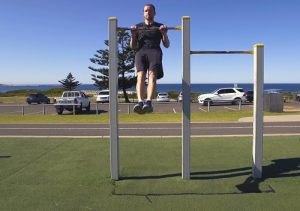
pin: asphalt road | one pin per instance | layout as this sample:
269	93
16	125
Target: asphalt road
144	130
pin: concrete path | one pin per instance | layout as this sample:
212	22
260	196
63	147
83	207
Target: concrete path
277	118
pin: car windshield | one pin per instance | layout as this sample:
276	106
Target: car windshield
104	93
163	94
215	91
240	90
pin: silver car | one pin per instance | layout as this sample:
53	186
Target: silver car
224	95
163	97
103	96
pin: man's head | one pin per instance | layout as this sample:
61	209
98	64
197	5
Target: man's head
149	12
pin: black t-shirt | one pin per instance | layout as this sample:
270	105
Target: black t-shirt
149	38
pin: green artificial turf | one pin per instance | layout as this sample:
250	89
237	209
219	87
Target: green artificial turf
73	174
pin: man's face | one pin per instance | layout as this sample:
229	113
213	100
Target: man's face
148	13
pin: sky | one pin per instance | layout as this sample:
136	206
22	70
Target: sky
41	41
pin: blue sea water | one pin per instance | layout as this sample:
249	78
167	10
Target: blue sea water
198	88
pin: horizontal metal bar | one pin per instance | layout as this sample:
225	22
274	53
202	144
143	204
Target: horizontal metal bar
221	52
151	28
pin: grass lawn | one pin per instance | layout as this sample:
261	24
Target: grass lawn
219	116
73	174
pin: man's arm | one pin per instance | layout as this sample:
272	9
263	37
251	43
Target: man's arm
165	38
134	37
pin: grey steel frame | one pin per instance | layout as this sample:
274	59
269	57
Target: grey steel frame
258	74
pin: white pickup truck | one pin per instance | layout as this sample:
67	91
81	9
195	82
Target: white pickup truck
72	101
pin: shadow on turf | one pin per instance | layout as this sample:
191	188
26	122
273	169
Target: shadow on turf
4	156
289	167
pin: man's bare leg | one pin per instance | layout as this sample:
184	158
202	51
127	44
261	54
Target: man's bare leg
148	108
151	84
140	91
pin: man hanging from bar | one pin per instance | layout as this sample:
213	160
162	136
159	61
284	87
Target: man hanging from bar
146	39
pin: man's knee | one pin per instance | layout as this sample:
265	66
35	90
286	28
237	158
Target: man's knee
152	75
141	75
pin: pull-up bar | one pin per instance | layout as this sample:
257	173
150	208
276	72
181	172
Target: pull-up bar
221	52
258	78
150	28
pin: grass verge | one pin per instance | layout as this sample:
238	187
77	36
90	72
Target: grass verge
128	118
73	174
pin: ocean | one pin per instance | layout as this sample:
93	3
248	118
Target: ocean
197	88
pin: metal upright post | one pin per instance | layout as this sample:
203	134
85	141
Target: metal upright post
186	95
258	115
44	110
113	101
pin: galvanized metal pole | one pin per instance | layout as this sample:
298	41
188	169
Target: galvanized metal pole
44	110
186	96
113	102
258	115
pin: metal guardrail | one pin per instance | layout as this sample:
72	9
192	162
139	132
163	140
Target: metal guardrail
24	109
98	108
210	102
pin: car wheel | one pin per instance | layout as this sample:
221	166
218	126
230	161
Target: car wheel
205	102
78	110
59	110
236	101
88	108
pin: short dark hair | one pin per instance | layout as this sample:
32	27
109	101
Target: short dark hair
150	5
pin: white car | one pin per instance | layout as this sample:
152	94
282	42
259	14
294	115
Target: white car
163	97
224	95
72	100
103	96
298	97
179	98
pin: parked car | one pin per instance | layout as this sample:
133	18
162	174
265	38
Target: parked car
37	98
223	95
163	97
249	96
298	97
179	98
72	100
103	96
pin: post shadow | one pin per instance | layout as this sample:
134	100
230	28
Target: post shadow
5	156
279	168
288	167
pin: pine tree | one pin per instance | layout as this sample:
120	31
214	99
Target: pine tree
69	83
127	79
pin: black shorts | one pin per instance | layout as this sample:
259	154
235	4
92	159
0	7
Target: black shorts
149	59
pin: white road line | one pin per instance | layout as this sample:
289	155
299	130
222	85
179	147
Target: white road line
202	109
233	109
13	112
34	113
